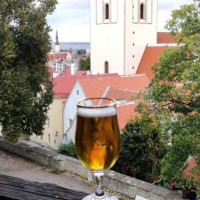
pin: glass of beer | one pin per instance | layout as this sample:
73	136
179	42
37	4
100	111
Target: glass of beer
97	139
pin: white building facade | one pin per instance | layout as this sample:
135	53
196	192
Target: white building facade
120	31
69	112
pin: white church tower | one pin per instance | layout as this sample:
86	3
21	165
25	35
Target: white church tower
120	31
57	46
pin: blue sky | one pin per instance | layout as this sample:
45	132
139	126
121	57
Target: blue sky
71	18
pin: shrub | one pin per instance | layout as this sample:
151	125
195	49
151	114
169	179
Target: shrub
68	149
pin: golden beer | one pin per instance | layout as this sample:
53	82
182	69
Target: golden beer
97	137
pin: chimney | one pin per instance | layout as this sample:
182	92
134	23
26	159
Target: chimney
73	69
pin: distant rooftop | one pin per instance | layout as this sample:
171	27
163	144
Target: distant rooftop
150	56
64	84
98	86
165	38
125	112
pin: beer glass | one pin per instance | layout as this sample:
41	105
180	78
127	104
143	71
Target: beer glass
97	139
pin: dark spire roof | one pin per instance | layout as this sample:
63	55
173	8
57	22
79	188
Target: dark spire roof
57	43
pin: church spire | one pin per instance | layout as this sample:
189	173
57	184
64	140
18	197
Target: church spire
57	47
57	43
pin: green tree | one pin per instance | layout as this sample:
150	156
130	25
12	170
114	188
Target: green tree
174	92
68	149
25	86
84	63
141	149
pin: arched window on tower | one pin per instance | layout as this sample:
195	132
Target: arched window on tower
141	11
106	67
107	11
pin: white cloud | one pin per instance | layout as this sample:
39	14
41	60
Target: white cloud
71	18
67	33
165	8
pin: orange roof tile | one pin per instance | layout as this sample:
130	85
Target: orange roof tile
58	55
64	84
150	56
81	72
96	88
67	72
118	93
125	113
165	38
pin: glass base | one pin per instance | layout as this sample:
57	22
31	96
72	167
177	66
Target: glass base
105	197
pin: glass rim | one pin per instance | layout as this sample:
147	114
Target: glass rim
93	98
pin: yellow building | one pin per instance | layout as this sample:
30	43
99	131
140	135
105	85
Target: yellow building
53	132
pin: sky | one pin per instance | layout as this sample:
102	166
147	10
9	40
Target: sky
72	18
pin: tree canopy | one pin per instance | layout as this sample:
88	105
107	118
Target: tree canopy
174	92
25	86
84	63
142	149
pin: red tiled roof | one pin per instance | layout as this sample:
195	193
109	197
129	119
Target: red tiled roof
191	165
51	71
150	56
64	84
55	56
125	113
77	56
165	38
67	72
118	93
96	88
81	72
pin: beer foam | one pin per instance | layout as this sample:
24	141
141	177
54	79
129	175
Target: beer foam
96	112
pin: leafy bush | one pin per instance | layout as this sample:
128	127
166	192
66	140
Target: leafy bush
141	149
67	149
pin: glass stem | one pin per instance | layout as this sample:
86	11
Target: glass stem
99	185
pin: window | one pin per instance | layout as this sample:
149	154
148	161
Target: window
106	67
65	137
49	136
70	122
56	133
107	11
142	11
77	92
41	137
48	122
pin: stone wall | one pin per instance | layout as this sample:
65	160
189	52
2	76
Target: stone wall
113	181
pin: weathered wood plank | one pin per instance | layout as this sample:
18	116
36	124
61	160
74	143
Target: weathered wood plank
19	189
12	188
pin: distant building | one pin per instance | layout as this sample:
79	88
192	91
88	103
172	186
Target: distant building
120	32
54	127
120	88
80	51
124	37
57	46
153	52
